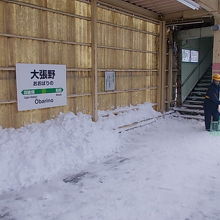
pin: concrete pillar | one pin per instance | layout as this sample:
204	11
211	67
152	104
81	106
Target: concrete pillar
216	48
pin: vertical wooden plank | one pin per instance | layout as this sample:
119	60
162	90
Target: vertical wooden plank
94	60
170	69
162	68
159	78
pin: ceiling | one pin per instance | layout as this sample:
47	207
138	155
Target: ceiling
161	7
173	12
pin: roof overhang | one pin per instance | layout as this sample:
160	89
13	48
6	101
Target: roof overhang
134	9
167	10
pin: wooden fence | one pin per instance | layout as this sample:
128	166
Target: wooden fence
60	32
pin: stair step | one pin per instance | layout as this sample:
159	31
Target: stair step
185	110
198	93
207	77
205	81
197	117
196	97
203	84
201	89
192	106
194	102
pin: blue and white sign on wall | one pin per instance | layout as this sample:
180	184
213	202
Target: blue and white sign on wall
190	56
194	56
185	55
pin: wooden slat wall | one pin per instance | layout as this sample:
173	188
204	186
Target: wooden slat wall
59	32
127	32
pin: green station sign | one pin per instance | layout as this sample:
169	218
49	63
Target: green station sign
41	91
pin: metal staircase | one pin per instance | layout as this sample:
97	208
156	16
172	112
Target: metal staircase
192	107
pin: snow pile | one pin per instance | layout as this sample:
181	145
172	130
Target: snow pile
39	152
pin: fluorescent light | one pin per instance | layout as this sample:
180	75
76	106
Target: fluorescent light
190	4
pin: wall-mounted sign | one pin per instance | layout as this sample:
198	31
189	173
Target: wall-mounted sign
109	80
40	86
185	55
194	56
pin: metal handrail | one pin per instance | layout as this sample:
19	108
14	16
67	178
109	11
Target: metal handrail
188	77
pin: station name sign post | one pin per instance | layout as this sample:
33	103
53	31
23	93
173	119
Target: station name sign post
40	86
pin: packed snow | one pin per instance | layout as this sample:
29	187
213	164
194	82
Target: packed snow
38	152
71	168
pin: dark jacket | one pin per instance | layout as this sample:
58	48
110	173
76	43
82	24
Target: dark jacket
213	94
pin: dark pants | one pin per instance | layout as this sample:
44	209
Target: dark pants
211	113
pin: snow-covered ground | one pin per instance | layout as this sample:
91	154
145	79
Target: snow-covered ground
79	170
